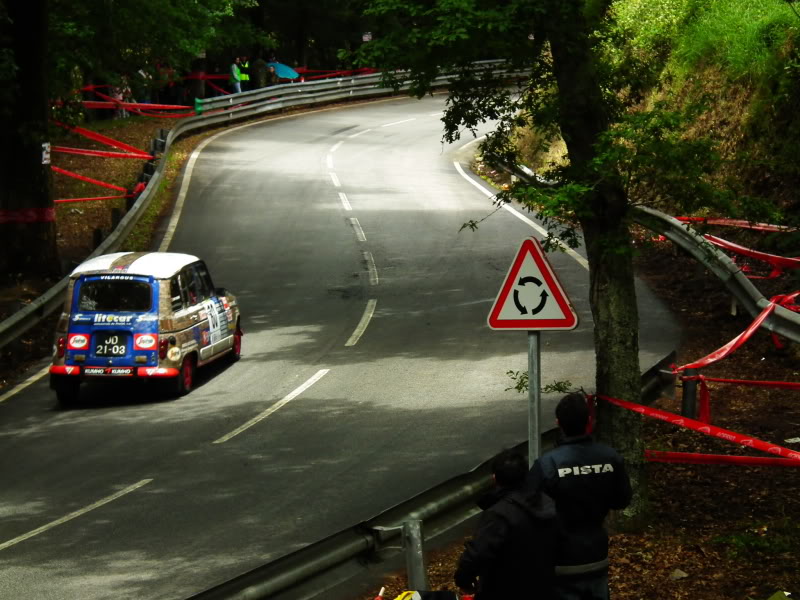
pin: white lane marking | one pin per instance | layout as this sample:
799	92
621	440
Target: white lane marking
21	386
335	180
345	201
281	403
329	161
176	212
355	135
362	324
439	114
75	514
489	194
359	232
373	271
336	147
398	122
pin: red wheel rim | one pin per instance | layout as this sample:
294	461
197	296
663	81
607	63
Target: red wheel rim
187	374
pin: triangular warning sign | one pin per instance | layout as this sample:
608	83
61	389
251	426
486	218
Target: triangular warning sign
531	296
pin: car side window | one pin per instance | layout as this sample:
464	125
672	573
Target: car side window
177	294
202	271
201	283
190	287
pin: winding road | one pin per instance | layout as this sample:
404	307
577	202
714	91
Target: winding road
368	374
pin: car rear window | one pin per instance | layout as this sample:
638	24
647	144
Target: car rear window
115	296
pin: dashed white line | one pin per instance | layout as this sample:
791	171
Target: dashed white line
373	271
578	258
335	180
74	514
336	147
439	114
30	380
355	135
345	201
397	122
359	232
281	403
329	161
362	325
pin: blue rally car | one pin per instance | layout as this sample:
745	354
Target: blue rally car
142	315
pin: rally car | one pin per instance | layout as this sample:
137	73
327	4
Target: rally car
142	316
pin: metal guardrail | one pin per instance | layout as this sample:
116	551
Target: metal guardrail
311	571
215	112
782	321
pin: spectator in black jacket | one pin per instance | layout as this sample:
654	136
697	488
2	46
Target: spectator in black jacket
510	556
587	480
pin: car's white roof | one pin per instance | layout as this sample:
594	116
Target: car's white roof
155	264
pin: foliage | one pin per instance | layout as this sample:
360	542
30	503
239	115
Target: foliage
521	379
742	36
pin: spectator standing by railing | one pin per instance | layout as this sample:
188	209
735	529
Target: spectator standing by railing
510	556
235	76
244	72
259	72
587	480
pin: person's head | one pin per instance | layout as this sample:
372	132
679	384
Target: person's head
236	60
509	469
572	413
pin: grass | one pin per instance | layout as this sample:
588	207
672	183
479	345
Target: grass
742	37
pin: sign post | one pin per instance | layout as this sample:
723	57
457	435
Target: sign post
532	299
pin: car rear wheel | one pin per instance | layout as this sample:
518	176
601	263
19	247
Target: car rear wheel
68	393
185	380
236	353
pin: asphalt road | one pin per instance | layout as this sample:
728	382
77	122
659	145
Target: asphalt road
368	372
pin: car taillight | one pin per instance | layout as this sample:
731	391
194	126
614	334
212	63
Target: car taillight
163	346
61	344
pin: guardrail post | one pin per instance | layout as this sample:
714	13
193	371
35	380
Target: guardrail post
689	396
415	559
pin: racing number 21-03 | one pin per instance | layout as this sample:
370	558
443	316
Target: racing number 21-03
110	346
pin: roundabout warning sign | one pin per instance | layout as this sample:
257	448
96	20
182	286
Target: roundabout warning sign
531	297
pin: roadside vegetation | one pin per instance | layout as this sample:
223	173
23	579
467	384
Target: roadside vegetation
705	121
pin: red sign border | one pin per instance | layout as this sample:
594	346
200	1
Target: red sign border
570	321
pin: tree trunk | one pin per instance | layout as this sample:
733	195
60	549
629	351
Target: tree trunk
27	215
582	120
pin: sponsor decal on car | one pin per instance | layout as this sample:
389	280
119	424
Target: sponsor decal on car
115	371
145	341
108	319
77	341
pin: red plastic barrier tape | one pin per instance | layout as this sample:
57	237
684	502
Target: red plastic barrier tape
27	215
131	105
216	87
731	346
93	135
779	263
103	153
705	428
64	200
110	186
718	459
736	223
